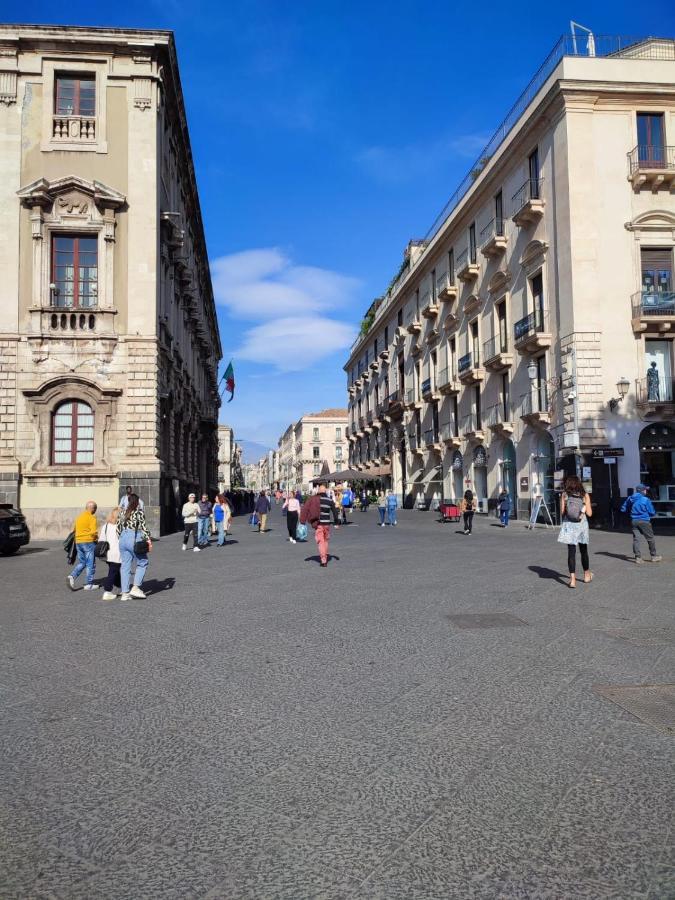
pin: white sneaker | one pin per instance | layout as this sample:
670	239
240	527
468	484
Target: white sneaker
125	596
383	525
137	592
195	549
71	583
108	595
184	547
292	540
91	587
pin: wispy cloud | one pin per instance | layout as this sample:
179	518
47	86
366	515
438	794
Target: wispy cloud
397	164
292	344
291	305
259	284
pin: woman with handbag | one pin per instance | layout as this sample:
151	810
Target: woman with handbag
109	536
135	544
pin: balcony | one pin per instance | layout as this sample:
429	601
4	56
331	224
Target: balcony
653	312
384	356
415	444
429	390
467	267
74	129
365	376
531	333
412	401
496	356
374	365
472	428
351	390
447	382
416	349
429	306
399	334
653	167
450	436
534	408
450	321
498	420
432	440
432	335
492	239
414	326
656	396
472	303
528	205
446	289
393	407
469	370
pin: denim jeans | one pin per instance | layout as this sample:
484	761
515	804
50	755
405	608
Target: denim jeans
85	560
391	514
127	553
382	510
221	532
504	516
203	530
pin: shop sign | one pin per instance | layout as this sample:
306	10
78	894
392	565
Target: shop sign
606	452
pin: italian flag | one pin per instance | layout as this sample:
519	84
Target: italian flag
229	380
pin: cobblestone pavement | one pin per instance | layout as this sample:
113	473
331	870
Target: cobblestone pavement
262	728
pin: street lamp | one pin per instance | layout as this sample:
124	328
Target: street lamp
532	371
622	386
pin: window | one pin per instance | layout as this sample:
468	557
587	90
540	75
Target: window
475	355
75	95
499	214
451	267
317	468
537	285
472	243
651	138
74	271
375	349
338	433
533	172
504	396
316	452
315	434
386	336
73	434
433	285
338	453
477	407
399	318
657	274
502	329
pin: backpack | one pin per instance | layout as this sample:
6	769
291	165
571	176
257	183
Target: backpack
574	507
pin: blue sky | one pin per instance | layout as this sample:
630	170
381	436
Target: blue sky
326	135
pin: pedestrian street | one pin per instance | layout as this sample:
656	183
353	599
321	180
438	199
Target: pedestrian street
433	715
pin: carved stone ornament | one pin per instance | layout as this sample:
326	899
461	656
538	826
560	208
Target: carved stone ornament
8	83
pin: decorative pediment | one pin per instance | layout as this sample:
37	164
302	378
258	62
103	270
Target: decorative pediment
70	195
499	283
533	255
656	220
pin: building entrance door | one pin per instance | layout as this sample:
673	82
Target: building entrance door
657	465
508	473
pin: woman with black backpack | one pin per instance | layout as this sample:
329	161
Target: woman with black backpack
575	511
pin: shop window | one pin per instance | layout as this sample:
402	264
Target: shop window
73	434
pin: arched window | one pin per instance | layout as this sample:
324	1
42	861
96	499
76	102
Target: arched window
73	434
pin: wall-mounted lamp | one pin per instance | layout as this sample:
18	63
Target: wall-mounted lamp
532	371
622	386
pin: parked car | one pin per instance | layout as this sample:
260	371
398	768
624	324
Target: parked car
14	532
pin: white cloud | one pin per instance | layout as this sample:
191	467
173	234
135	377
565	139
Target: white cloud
396	164
295	343
264	283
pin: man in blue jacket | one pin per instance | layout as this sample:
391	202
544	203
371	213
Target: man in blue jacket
641	510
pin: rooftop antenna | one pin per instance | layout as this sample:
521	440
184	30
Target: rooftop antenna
590	46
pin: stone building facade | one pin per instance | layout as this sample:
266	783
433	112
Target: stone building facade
306	444
516	339
108	334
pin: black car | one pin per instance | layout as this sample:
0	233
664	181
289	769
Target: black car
14	532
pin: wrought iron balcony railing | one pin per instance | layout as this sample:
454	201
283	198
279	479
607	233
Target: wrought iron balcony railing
533	323
652	303
531	190
494	346
646	156
655	390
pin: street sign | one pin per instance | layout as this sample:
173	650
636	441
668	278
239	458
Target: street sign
605	452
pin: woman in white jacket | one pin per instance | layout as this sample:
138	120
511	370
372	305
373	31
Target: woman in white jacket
109	533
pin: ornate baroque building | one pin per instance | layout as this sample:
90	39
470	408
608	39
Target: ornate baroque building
109	344
531	332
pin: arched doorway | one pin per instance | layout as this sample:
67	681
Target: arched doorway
457	475
480	477
657	461
507	472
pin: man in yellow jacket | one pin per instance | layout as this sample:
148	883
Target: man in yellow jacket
86	535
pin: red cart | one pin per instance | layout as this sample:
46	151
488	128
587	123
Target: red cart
449	512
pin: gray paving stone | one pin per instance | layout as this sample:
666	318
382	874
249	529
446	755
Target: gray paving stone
261	728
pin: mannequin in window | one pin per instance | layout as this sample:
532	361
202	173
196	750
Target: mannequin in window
653	382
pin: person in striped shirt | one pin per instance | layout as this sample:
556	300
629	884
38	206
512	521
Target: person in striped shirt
320	511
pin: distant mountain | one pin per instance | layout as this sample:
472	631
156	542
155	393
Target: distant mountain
251	450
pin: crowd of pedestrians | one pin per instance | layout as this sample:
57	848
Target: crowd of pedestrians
125	542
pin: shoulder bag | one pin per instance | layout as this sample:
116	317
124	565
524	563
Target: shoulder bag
102	546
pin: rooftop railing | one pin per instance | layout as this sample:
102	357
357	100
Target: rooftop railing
627	47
